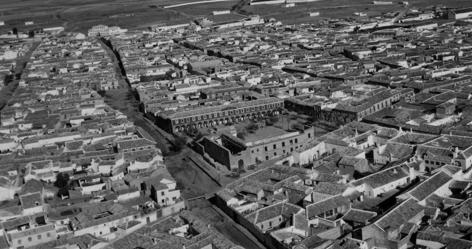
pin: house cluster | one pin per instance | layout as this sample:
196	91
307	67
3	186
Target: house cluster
72	59
183	230
360	186
393	167
10	51
357	133
75	173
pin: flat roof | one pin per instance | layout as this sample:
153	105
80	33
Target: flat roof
264	133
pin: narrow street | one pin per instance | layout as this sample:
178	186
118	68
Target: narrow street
7	92
124	100
226	226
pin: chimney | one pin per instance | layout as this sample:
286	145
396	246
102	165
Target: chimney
412	173
455	151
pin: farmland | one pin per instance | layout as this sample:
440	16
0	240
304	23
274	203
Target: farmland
339	8
79	15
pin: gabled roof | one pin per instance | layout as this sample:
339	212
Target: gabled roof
31	200
426	188
359	215
384	177
399	215
448	242
322	206
396	150
329	188
4	243
283	209
134	143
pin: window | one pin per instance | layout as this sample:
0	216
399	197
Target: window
275	146
466	216
296	140
275	153
265	148
19	241
329	213
270	223
283	144
39	236
30	239
48	235
309	135
267	157
162	193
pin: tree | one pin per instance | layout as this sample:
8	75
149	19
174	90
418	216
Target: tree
179	143
62	180
272	120
194	133
63	192
241	134
252	127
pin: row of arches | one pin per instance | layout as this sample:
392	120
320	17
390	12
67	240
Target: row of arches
226	120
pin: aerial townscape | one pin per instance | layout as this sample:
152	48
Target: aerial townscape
236	124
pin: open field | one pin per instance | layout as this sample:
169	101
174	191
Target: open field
205	9
79	15
339	8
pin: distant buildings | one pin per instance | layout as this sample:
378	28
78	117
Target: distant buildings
458	14
103	30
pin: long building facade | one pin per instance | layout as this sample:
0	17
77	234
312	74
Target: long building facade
217	115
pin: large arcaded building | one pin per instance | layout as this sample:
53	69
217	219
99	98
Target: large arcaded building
199	117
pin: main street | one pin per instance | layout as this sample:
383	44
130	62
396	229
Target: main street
191	179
